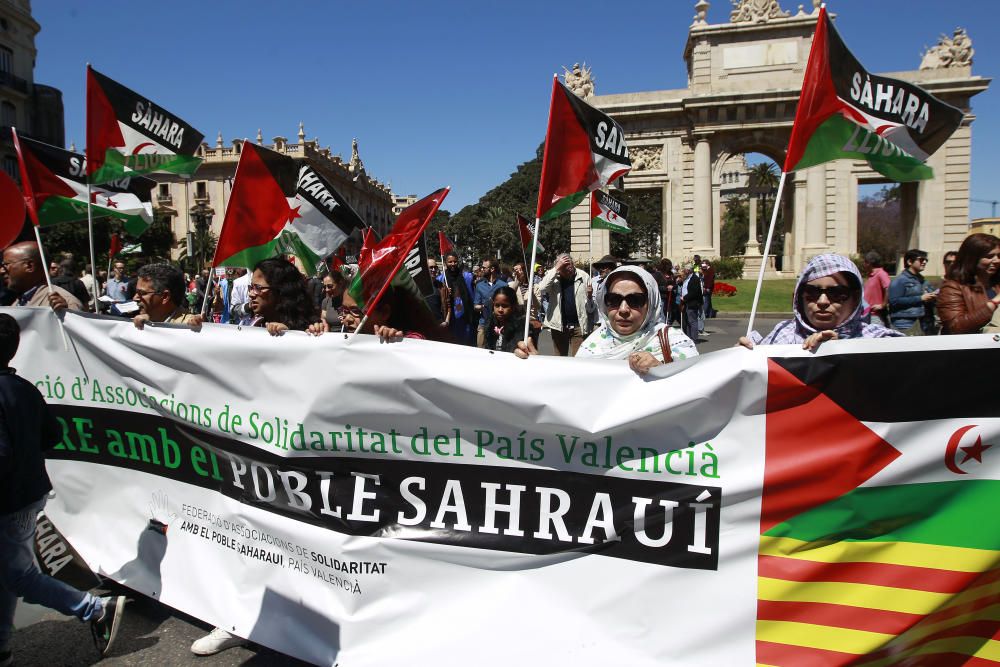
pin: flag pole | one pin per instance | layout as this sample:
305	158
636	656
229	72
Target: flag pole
208	291
767	249
531	277
48	281
90	232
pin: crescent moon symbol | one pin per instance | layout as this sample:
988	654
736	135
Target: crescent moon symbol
135	151
952	449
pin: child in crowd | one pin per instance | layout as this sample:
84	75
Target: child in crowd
505	324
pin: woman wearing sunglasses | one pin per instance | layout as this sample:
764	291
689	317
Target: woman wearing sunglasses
631	324
827	306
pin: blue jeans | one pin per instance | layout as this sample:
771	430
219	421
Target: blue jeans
21	578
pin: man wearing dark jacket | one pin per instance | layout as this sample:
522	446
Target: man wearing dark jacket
691	302
27	429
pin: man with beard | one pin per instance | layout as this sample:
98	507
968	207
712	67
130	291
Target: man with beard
24	274
463	313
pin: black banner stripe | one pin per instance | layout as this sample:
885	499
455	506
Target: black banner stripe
316	489
905	386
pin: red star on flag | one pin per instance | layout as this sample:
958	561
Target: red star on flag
294	213
110	203
975	451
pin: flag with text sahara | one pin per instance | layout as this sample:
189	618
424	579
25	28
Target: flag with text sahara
880	542
380	261
606	212
282	207
584	150
846	112
127	134
526	231
55	189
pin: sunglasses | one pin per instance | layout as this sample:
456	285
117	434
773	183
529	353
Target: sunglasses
635	300
835	294
354	312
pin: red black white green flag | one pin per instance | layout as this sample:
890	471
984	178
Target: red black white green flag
584	150
282	207
845	112
55	189
526	231
127	134
606	212
380	261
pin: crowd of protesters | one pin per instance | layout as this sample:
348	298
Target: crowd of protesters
643	312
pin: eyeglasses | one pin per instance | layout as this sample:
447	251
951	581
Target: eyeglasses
258	289
354	311
835	294
635	300
144	292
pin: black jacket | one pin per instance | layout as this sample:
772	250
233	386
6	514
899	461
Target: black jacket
27	430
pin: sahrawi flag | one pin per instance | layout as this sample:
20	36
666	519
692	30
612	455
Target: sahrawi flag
281	207
55	188
127	134
606	212
380	261
845	112
526	231
880	543
584	150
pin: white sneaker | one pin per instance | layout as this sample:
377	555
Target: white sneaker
216	641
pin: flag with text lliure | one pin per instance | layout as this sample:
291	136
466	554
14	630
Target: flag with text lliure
584	150
281	207
844	112
55	188
127	134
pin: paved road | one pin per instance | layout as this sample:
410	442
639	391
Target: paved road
153	634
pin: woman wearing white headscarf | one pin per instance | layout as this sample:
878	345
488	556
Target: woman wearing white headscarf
632	325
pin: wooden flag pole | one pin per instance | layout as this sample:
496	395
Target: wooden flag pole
767	249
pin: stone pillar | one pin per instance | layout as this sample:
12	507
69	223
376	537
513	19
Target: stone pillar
702	197
753	247
815	227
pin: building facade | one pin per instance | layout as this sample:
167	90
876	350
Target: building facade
34	109
744	79
201	200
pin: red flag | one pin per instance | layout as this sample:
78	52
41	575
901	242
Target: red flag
526	231
445	244
379	261
11	210
116	245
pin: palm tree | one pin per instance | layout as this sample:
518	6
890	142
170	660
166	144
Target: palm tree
763	178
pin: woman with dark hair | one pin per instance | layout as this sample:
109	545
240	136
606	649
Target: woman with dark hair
969	295
334	285
399	314
504	322
279	300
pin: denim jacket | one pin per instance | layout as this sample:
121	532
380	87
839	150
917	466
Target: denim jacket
905	304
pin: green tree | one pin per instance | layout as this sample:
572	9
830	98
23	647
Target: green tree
480	229
735	226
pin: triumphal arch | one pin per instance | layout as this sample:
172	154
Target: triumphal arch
744	79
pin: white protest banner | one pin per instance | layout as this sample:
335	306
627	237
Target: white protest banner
353	503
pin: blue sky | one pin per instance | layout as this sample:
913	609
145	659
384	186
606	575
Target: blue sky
440	92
